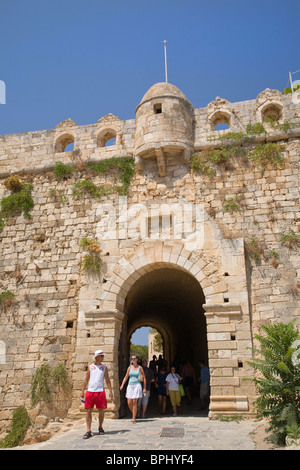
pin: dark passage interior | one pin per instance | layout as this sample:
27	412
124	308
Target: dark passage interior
169	300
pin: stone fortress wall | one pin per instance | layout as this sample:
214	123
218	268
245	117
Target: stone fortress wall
61	314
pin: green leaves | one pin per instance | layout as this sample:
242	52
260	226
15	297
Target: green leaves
44	381
278	384
18	203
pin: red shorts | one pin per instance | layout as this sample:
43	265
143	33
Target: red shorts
95	398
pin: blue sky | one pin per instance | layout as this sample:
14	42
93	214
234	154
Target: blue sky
140	336
84	59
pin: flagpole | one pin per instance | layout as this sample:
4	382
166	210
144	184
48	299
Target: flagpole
166	69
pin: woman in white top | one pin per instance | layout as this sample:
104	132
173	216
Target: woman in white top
173	390
134	388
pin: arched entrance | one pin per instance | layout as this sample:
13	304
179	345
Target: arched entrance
170	300
181	293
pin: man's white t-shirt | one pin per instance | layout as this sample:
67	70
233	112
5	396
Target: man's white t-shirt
96	382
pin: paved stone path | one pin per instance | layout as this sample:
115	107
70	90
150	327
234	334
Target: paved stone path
199	433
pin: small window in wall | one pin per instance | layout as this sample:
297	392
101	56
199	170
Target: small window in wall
158	108
65	143
220	121
111	141
69	147
271	114
106	138
221	127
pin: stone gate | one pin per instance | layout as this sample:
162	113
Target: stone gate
188	229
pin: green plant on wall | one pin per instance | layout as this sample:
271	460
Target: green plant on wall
261	155
40	387
284	126
62	171
88	187
125	166
45	380
232	204
58	196
255	129
91	262
205	162
291	239
255	249
274	258
265	154
6	299
18	203
14	184
20	424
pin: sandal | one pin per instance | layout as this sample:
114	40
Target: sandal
101	431
87	435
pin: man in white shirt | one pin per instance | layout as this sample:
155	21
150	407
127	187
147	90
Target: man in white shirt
95	394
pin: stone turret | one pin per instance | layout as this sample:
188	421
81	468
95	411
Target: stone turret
164	125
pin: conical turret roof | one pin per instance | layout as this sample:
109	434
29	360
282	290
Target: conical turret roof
163	89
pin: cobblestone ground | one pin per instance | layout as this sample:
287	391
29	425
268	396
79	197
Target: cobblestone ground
185	432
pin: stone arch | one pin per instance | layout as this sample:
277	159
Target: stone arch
153	324
269	103
167	296
185	255
108	127
63	140
105	135
218	269
271	110
221	116
147	259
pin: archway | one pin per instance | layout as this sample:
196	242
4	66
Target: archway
170	300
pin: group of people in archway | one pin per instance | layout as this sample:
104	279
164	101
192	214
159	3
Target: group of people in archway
165	384
156	379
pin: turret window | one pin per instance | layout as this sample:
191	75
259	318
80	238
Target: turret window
158	108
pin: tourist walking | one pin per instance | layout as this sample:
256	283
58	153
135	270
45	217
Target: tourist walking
161	389
204	385
173	389
134	389
95	394
188	379
143	402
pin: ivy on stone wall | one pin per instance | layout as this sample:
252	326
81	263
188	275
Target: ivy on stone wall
45	380
18	203
20	424
262	155
6	299
91	262
123	165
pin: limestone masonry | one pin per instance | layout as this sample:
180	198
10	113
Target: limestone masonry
200	241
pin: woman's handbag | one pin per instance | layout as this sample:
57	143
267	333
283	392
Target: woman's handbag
182	393
140	377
